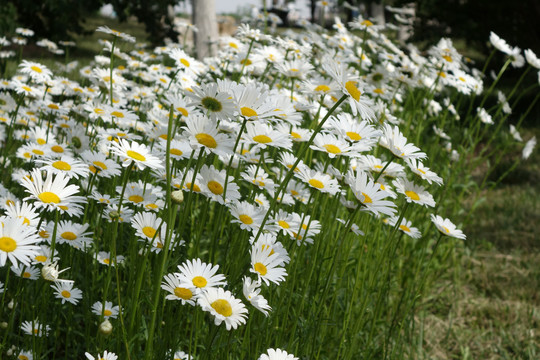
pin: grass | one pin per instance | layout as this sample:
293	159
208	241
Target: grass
87	44
488	307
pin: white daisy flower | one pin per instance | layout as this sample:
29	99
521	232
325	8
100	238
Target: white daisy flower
278	354
178	292
18	242
203	132
446	227
267	266
224	307
137	153
107	310
249	216
370	194
252	290
35	328
54	193
322	182
199	276
66	292
414	193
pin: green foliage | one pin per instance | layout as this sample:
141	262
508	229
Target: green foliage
7	18
153	14
63	19
52	19
472	20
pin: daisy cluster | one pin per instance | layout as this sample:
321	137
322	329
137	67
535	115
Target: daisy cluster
219	167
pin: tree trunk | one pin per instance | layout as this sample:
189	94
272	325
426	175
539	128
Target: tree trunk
377	12
204	18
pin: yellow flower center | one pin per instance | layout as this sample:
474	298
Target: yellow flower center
246	219
222	307
135	155
183	111
447	58
366	23
66	294
149	231
354	135
353	90
446	229
27	88
68	235
100	164
404	228
135	198
296	135
41	258
316	183
367	199
193	187
248	112
26	275
118	114
57	149
61	165
7	244
284	224
412	195
199	281
263	139
332	149
183	293
185	62
215	187
206	140
49	197
107	312
260	268
36	69
324	88
53	106
38	152
41	141
176	152
378	91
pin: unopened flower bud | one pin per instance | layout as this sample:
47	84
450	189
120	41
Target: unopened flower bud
9	352
10	305
4	325
105	327
114	215
177	196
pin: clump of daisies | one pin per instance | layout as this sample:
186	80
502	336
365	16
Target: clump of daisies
167	202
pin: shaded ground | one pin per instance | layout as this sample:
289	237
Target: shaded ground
489	306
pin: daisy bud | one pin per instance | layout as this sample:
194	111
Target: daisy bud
177	196
4	325
10	305
105	327
9	352
114	215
